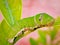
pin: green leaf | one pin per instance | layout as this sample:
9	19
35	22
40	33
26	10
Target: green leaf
53	34
33	42
2	37
57	23
42	35
6	33
11	10
9	32
56	28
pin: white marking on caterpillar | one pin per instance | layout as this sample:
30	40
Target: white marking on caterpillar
46	28
35	20
19	33
12	40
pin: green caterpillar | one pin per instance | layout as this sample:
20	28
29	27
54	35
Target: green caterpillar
33	23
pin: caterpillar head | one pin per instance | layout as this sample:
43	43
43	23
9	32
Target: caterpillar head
43	19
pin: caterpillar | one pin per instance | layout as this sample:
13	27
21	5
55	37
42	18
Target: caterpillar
33	23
